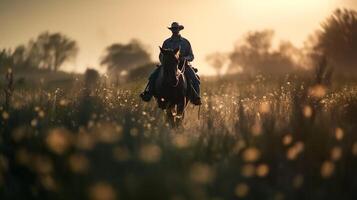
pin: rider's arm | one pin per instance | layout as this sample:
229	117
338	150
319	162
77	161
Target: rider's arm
189	57
160	57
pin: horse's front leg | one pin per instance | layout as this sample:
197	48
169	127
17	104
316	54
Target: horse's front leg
170	116
180	111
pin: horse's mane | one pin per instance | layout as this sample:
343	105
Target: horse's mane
170	65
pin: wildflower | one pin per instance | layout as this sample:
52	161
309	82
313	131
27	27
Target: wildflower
102	191
295	150
264	107
34	122
58	140
5	115
262	170
307	111
134	132
180	141
109	133
256	128
37	108
248	170
251	154
84	140
327	169
78	163
287	139
41	114
150	153
339	134
317	91
291	153
336	153
241	190
201	173
63	102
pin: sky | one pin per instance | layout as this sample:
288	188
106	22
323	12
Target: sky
210	25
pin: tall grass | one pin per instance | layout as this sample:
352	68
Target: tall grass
289	138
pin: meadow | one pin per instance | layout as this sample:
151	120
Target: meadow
256	137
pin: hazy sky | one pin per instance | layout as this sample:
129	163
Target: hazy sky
210	25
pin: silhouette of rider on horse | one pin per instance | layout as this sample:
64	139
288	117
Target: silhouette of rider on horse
185	56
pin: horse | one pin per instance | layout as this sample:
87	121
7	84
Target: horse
171	87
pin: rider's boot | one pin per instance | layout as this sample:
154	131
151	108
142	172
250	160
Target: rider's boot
195	98
148	92
194	85
149	89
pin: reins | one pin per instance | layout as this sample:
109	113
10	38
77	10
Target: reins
183	67
181	72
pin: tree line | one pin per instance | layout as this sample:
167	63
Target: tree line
336	40
48	51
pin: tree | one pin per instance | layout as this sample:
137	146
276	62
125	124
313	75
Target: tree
141	72
309	55
124	57
337	40
20	58
260	41
51	50
255	54
6	60
217	60
47	51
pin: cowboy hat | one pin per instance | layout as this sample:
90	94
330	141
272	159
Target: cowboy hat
176	25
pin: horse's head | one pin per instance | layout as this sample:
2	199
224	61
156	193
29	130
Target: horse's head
170	60
170	56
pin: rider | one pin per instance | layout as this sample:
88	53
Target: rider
177	41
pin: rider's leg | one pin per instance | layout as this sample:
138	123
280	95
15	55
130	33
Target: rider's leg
195	82
149	89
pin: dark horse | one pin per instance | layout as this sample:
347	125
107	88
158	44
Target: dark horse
171	87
